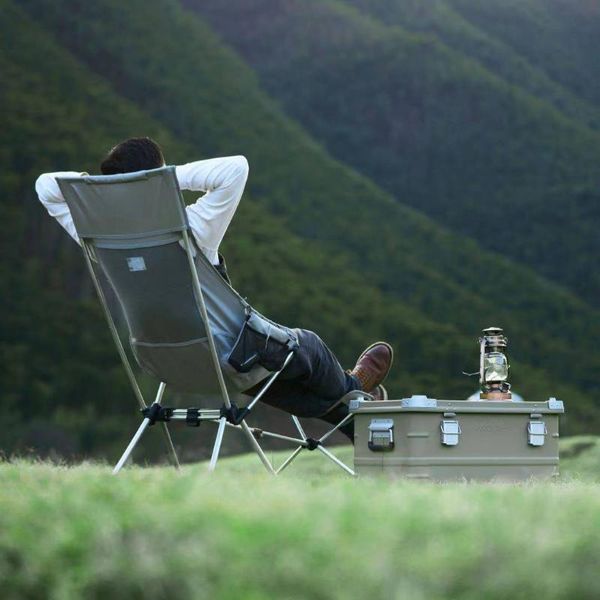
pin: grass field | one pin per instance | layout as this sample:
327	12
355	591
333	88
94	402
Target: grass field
312	533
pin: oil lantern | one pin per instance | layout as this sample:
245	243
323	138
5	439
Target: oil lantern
493	365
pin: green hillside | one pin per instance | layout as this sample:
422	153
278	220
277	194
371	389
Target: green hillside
443	133
440	274
342	256
57	355
558	36
454	24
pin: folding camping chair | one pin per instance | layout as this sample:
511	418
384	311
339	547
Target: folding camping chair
186	323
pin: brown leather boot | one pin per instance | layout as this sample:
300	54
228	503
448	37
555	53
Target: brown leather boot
372	367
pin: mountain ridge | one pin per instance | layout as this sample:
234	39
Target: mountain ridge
435	129
452	26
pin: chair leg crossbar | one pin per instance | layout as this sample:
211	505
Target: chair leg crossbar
311	444
228	417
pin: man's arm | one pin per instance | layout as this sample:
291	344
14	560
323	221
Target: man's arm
223	180
51	197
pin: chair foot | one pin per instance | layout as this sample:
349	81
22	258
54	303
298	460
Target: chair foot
132	444
217	446
170	447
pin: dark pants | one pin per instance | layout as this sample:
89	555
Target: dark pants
312	383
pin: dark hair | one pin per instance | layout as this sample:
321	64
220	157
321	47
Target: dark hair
134	154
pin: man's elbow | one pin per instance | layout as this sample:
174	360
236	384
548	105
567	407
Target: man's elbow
46	188
241	163
41	183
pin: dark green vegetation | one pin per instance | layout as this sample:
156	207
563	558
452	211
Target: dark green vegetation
315	244
545	47
557	36
311	533
462	123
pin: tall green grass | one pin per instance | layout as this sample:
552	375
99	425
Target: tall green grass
312	533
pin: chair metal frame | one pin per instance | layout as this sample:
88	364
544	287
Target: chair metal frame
222	418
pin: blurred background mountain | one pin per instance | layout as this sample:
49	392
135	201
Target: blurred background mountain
419	171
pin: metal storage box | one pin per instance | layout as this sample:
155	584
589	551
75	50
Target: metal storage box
441	440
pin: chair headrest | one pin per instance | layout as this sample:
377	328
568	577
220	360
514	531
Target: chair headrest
126	205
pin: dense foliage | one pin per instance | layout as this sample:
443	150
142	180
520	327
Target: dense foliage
314	244
560	37
471	132
543	47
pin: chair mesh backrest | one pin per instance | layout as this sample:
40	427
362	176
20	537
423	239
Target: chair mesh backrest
134	224
126	205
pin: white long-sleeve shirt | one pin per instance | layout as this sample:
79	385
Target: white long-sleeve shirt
222	179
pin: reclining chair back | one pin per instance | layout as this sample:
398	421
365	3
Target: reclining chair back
134	227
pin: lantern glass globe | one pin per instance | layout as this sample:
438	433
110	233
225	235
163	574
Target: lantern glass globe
495	367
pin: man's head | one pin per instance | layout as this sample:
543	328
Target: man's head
134	154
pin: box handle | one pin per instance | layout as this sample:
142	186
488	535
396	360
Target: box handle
536	432
450	430
381	435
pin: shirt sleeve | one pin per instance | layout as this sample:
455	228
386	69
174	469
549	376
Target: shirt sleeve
223	180
51	197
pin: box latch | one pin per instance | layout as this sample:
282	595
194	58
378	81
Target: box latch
536	432
451	431
381	435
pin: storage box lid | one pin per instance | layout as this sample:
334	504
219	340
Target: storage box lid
418	403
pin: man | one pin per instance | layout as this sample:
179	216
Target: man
313	382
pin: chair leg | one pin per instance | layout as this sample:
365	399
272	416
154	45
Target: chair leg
299	449
132	444
299	427
345	420
336	460
320	447
289	459
170	446
248	433
165	429
217	446
265	461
